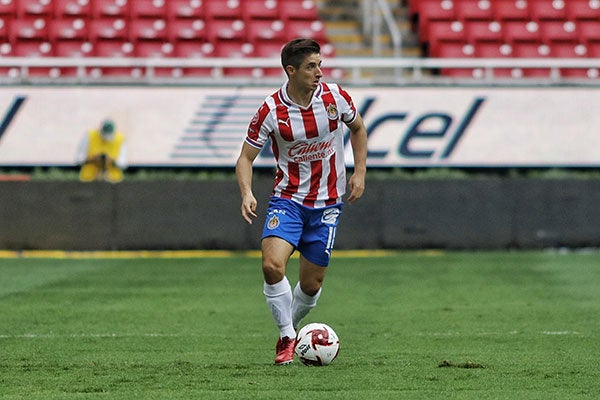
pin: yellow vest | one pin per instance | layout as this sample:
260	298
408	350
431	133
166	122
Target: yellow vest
97	146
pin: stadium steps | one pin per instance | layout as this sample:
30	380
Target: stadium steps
343	24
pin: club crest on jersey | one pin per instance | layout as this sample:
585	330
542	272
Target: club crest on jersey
273	222
332	111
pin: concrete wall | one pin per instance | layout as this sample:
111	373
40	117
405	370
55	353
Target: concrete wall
403	214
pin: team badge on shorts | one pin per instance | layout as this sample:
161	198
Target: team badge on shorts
273	222
332	111
330	216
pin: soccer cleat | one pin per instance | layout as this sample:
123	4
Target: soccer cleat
285	351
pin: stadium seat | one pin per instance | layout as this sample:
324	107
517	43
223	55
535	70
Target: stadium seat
72	8
73	48
433	10
69	28
223	9
582	10
442	32
264	30
33	48
8	7
547	10
153	49
28	28
4	32
473	10
593	49
496	50
108	28
113	48
147	29
28	8
185	9
456	50
533	50
156	9
588	31
300	9
186	29
484	31
308	29
110	8
557	31
510	10
260	9
569	50
218	29
268	48
521	31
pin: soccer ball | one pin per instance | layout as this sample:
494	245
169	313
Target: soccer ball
317	344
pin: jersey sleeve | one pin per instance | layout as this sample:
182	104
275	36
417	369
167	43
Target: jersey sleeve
259	128
347	108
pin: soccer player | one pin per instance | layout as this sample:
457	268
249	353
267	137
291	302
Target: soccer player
305	121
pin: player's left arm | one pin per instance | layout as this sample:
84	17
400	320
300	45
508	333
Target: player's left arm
358	140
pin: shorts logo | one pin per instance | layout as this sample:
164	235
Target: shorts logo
330	216
273	222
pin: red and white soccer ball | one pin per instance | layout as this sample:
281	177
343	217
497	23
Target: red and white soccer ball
317	344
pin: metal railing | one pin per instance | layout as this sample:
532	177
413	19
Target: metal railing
348	70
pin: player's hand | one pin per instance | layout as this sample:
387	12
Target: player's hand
357	187
249	208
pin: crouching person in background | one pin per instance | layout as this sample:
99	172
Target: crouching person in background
102	154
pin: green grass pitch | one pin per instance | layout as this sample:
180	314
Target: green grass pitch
457	325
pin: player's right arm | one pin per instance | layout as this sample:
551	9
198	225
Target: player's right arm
243	171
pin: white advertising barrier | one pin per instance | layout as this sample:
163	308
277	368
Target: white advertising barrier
203	126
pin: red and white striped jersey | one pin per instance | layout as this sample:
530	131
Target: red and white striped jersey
308	143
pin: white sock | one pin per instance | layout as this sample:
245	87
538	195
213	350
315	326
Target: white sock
302	304
279	300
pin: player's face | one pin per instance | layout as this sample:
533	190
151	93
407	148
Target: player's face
309	74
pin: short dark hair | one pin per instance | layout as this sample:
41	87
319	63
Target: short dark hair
295	51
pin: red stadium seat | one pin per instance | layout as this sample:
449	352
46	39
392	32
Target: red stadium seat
73	48
223	9
153	49
33	48
4	31
29	28
30	8
259	30
589	31
108	28
268	48
147	29
495	50
186	29
186	9
260	9
510	10
583	10
110	8
456	50
474	10
156	9
433	10
557	31
234	49
308	29
113	48
533	50
219	29
8	7
72	8
298	9
69	28
547	10
521	31
484	31
193	49
569	50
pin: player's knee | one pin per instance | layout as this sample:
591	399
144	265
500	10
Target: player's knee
311	286
273	271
